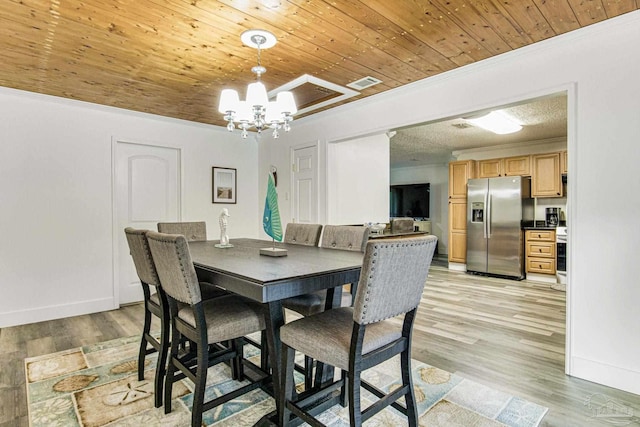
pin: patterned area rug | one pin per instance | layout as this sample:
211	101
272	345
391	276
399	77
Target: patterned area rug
97	385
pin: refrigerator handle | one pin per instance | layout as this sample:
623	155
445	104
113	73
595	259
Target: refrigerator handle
488	218
485	220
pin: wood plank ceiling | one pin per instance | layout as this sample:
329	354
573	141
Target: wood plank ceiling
173	57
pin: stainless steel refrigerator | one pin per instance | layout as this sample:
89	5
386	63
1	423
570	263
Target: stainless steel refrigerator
496	208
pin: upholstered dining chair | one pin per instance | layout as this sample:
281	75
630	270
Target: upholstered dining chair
205	323
193	231
154	303
341	237
353	339
346	238
196	231
302	234
401	225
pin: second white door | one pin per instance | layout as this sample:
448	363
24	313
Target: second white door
305	185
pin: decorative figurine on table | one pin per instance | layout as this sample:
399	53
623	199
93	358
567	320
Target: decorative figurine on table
271	220
224	237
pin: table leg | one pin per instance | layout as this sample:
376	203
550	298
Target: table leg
274	320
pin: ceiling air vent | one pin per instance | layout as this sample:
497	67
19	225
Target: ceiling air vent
364	83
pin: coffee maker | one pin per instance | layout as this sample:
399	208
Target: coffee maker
552	217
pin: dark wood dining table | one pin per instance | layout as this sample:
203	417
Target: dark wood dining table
269	280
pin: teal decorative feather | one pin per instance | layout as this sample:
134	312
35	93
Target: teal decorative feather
271	218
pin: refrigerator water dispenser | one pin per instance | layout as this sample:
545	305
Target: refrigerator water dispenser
477	212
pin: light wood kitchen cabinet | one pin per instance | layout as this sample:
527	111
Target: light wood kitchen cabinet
564	162
540	251
490	168
458	230
517	166
508	166
459	173
546	178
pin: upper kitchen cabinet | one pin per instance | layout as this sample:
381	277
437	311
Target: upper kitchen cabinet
459	173
564	162
509	166
517	166
546	178
490	168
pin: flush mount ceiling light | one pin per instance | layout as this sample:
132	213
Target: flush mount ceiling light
496	122
271	4
257	111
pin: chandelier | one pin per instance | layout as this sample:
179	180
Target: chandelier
257	111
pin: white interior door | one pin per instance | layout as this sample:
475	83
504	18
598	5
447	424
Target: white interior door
147	191
305	185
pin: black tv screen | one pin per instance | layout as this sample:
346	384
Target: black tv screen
410	200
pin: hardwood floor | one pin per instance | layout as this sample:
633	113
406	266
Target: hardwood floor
505	334
35	339
508	335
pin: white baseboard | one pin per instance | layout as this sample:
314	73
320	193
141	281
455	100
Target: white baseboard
456	266
41	314
611	376
543	278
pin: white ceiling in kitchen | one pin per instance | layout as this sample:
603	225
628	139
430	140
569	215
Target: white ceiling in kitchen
432	143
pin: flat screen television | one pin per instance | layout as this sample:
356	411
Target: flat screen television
410	200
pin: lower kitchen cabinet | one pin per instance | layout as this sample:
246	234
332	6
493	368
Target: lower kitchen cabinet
540	251
458	230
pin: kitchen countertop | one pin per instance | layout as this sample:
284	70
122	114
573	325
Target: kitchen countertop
539	228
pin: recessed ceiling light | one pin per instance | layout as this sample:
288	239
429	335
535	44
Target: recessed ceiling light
497	122
271	4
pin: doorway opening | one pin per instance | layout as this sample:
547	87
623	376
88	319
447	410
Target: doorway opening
421	153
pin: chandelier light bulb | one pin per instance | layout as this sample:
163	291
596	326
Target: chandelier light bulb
257	95
228	101
286	103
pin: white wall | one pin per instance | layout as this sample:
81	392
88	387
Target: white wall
354	195
55	197
599	67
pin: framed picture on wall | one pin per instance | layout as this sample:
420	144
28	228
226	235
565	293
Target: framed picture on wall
224	185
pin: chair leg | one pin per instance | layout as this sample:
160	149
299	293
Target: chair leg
288	389
237	367
355	410
233	363
264	354
161	364
199	387
343	389
308	372
171	370
143	342
407	380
